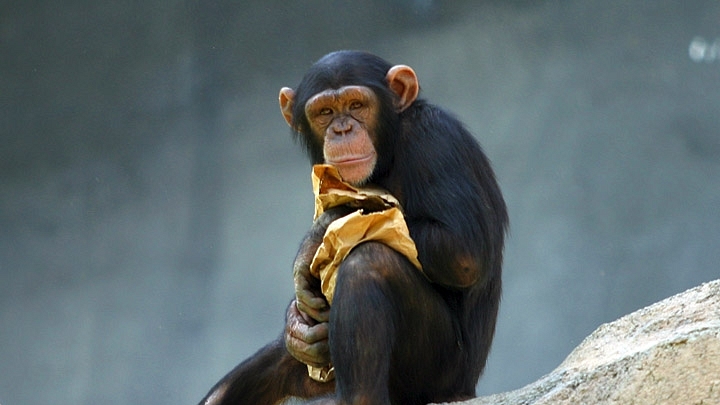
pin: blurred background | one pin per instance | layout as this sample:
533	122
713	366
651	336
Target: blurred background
151	197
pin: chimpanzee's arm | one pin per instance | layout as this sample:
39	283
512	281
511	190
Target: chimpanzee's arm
310	300
306	330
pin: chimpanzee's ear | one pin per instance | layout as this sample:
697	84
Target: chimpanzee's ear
403	81
286	98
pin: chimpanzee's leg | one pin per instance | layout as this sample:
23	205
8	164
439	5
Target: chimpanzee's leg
393	338
266	378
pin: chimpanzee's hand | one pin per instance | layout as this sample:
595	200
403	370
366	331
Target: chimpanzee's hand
305	339
308	297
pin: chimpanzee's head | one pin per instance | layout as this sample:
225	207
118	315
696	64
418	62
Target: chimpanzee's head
346	111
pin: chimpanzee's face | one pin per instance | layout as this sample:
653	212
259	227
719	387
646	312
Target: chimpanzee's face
345	122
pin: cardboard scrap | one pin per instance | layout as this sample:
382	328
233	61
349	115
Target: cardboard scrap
378	218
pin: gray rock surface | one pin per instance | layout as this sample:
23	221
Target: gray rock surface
667	353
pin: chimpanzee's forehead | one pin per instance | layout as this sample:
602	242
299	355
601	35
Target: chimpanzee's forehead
342	94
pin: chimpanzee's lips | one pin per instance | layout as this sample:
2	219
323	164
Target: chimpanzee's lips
355	169
351	160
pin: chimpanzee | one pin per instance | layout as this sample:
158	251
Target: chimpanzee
394	334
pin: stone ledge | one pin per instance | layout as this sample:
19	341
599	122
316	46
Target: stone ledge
666	353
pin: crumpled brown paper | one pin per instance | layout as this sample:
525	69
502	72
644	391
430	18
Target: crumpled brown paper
378	219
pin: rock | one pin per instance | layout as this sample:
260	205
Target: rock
667	353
